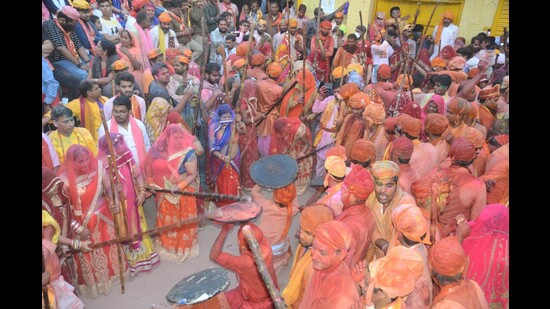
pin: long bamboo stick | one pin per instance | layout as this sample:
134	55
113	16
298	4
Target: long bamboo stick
426	29
205	195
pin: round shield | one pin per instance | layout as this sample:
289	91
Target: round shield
274	171
199	287
238	212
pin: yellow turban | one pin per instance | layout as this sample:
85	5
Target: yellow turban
375	113
338	72
81	5
384	169
292	23
355	67
262	22
118	65
335	166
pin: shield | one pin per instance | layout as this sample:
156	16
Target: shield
274	171
238	212
199	287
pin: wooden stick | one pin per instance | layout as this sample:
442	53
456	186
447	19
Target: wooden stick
314	152
246	61
205	60
361	38
262	268
279	101
204	195
426	29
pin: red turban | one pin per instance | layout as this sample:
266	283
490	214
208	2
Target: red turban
502	139
474	136
258	234
462	149
359	100
138	4
490	92
435	123
314	216
384	169
362	150
165	18
326	24
384	71
274	70
401	147
412	109
473	72
359	182
339	151
447	258
409	220
459	106
285	195
409	125
257	59
375	113
334	234
349	89
390	124
456	63
242	49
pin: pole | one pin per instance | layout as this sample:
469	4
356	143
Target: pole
427	26
205	61
246	61
204	195
278	101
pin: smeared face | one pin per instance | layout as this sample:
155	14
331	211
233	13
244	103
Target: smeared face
323	257
82	163
64	125
385	190
306	238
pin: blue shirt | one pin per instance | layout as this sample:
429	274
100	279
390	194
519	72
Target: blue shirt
82	35
50	85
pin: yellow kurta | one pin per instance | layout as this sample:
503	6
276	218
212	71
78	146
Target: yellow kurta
79	136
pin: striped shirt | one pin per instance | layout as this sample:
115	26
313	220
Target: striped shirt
56	36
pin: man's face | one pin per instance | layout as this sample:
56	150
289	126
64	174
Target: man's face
222	25
439	89
163	76
339	20
476	45
352	42
323	257
121	114
447	22
126	88
244	27
84	15
283	27
229	19
106	8
274	9
159	59
150	11
301	13
230	44
261	29
392	39
254	7
452	117
165	27
385	190
95	92
176	10
64	124
68	24
180	68
292	30
146	23
214	77
306	238
396	14
324	31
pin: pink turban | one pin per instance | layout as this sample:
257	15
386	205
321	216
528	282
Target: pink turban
456	63
447	258
334	234
462	149
402	148
359	182
71	12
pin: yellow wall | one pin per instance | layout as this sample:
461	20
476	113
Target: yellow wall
479	17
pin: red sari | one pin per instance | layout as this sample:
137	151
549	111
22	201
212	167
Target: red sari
248	142
293	96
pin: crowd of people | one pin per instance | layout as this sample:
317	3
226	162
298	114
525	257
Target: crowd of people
403	135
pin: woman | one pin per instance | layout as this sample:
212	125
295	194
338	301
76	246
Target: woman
101	71
295	102
140	253
171	164
129	52
293	138
88	187
155	119
225	155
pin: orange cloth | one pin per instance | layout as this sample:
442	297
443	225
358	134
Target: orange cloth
242	49
285	195
435	123
401	148
374	113
313	216
334	234
384	169
462	149
359	182
187	52
447	14
359	100
363	150
326	24
498	169
456	63
459	106
257	59
181	59
153	53
473	72
238	64
490	92
408	81
384	71
349	89
447	258
165	18
119	65
292	23
409	124
339	151
409	220
274	70
438	62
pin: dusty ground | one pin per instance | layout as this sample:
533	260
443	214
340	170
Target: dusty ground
148	290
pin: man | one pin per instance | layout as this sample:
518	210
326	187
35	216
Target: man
331	285
231	8
457	109
395	14
86	31
268	93
291	47
278	37
277	216
132	129
401	150
377	26
264	40
217	38
119	67
322	49
255	13
311	25
363	153
497	171
347	53
111	28
198	11
333	183
448	263
153	57
302	269
354	125
159	88
273	19
375	116
382	50
125	84
434	126
211	12
180	85
50	86
229	50
445	33
387	196
302	19
179	11
66	133
482	151
229	18
257	62
162	35
493	111
336	25
140	31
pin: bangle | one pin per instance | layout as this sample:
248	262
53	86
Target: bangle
142	189
76	244
77	227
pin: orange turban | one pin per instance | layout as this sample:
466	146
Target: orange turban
171	53
274	70
447	258
339	15
409	220
81	5
257	59
285	195
462	149
154	53
397	272
390	123
347	90
362	150
457	63
334	234
238	64
359	100
339	151
335	166
242	49
326	24
401	147
384	169
314	216
384	71
181	59
187	53
408	81
459	106
359	182
138	4
473	72
258	234
435	123
409	124
474	136
262	22
422	188
165	18
449	15
375	113
339	72
293	23
490	92
502	139
357	67
119	65
438	62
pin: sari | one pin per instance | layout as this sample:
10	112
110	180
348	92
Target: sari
286	139
136	53
171	163
223	137
248	141
290	106
155	119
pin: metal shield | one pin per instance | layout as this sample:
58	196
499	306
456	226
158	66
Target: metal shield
274	171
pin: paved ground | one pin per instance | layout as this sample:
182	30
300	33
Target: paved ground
148	290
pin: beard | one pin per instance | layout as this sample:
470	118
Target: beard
68	27
350	49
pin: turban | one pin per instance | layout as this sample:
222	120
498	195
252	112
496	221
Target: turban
354	77
449	15
413	109
459	106
81	5
274	70
334	234
335	166
357	67
502	139
409	124
285	195
326	24
438	62
339	15
384	169
47	220
239	64
447	258
293	23
187	52
474	136
262	22
435	123
490	92
422	188
257	59
171	53
362	150
347	90
71	12
473	72
359	100
375	113
339	151
505	82
258	234
313	216
138	4
384	71
390	124
456	63
397	272
408	81
462	149
181	59
402	147
339	72
154	53
409	220
119	65
165	18
359	182
242	49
